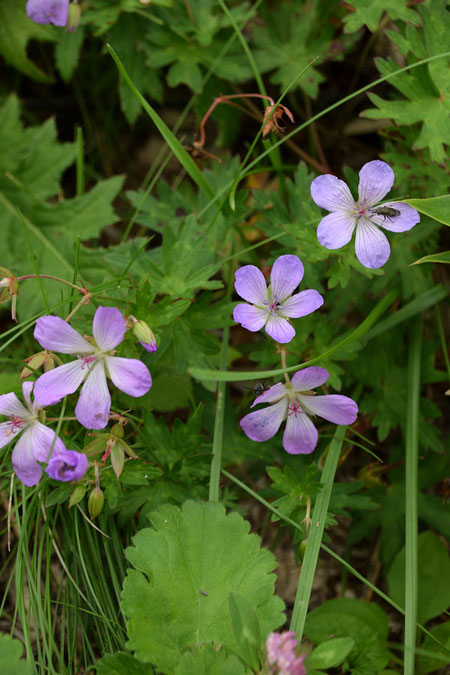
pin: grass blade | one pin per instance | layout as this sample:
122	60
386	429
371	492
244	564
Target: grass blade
172	141
411	509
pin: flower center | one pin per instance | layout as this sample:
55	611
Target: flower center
295	408
16	424
87	361
360	210
272	303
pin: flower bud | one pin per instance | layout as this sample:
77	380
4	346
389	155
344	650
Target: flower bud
77	495
144	334
126	448
117	459
45	358
302	549
97	445
73	18
95	502
117	430
9	289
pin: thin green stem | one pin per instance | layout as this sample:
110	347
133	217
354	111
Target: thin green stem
309	564
411	508
359	332
51	276
80	179
442	339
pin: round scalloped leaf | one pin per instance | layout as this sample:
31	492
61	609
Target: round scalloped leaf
186	567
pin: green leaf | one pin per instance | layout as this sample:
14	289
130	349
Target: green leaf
16	30
12	652
330	654
127	36
208	660
67	52
59	495
434	563
369	12
428	664
363	622
443	257
121	664
435	207
172	141
246	630
186	567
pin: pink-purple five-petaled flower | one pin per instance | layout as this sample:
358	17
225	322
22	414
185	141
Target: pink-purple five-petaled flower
294	403
94	363
48	11
335	230
37	443
272	307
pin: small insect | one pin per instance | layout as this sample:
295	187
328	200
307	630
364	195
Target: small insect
386	211
259	388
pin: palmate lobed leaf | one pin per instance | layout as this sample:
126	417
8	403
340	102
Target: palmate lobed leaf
186	567
16	30
369	12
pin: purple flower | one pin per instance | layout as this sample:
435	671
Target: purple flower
67	466
294	403
272	307
335	230
48	11
281	654
35	442
95	362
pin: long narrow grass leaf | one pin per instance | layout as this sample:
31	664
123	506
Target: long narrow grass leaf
411	490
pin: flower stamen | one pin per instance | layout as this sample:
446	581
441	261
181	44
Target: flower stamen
87	360
17	424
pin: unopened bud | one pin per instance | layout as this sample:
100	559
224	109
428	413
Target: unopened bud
9	289
45	358
144	334
117	459
117	430
126	448
73	18
302	549
97	445
77	495
95	502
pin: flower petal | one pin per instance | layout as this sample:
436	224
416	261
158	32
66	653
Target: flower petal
52	386
92	409
334	407
27	388
375	180
42	440
405	221
8	432
129	375
301	304
336	229
286	274
309	378
279	329
54	333
251	285
48	11
10	406
250	317
331	193
371	246
272	395
68	466
261	425
300	436
108	327
23	460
